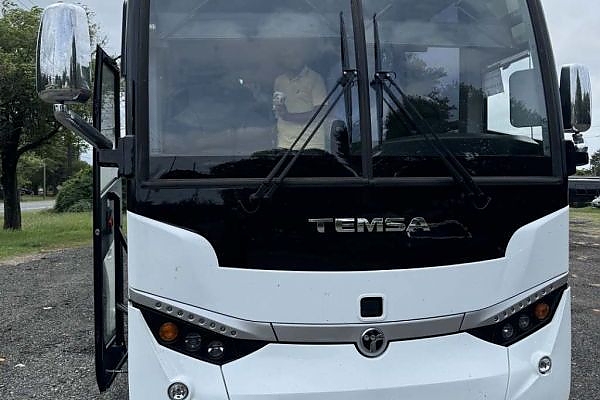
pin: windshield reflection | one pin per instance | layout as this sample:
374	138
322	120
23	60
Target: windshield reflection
232	82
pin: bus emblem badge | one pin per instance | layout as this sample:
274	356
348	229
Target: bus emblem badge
372	342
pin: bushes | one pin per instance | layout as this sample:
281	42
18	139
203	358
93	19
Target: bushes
76	193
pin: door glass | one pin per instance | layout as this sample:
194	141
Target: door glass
109	269
108	119
109	91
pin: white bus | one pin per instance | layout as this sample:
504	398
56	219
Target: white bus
334	199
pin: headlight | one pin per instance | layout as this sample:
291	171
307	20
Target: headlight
522	319
207	344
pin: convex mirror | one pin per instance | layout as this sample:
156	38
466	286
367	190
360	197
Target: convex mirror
576	98
63	55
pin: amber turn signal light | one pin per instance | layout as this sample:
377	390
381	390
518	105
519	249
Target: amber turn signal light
168	332
541	311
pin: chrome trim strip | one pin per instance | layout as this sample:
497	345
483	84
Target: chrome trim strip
222	324
351	333
499	312
393	331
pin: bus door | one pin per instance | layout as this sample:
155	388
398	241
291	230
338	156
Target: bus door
109	240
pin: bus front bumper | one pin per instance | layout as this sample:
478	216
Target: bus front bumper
459	366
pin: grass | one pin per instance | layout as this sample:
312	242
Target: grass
586	223
46	230
590	213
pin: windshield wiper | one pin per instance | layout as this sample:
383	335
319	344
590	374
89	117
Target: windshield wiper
411	115
274	179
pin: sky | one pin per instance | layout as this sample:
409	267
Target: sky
573	28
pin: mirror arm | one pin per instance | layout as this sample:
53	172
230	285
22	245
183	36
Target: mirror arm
123	157
81	127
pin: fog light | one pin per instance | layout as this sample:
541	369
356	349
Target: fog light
193	341
168	332
178	391
507	331
216	350
541	311
545	365
524	322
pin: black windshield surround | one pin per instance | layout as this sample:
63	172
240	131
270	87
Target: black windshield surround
279	236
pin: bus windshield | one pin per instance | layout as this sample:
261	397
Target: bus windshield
471	70
232	84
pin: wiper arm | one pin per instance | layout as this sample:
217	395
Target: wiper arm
377	84
345	68
274	179
461	176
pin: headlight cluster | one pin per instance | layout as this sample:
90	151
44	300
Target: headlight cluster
522	319
204	344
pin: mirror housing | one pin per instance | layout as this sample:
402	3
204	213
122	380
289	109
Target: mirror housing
575	158
63	55
576	98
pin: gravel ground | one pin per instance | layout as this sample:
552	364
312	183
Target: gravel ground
585	280
46	325
47	330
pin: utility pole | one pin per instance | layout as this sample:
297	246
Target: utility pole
44	163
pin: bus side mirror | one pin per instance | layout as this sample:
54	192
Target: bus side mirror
63	55
576	98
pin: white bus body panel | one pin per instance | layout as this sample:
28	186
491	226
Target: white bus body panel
180	265
453	367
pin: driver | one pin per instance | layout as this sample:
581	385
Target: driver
298	93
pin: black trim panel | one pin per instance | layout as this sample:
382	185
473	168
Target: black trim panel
279	235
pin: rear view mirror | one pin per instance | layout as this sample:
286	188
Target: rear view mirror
527	103
576	98
63	55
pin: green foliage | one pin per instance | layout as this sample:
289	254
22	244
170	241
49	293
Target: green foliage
595	163
76	192
27	125
61	158
28	166
24	119
583	172
435	107
81	206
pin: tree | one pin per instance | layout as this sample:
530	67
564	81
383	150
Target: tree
435	107
595	163
26	123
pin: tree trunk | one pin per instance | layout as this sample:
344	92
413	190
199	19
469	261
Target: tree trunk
12	196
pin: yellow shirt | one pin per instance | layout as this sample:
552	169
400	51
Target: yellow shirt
302	94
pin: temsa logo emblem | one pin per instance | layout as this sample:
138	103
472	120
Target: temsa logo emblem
372	342
377	225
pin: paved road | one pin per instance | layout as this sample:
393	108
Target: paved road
46	325
33	206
